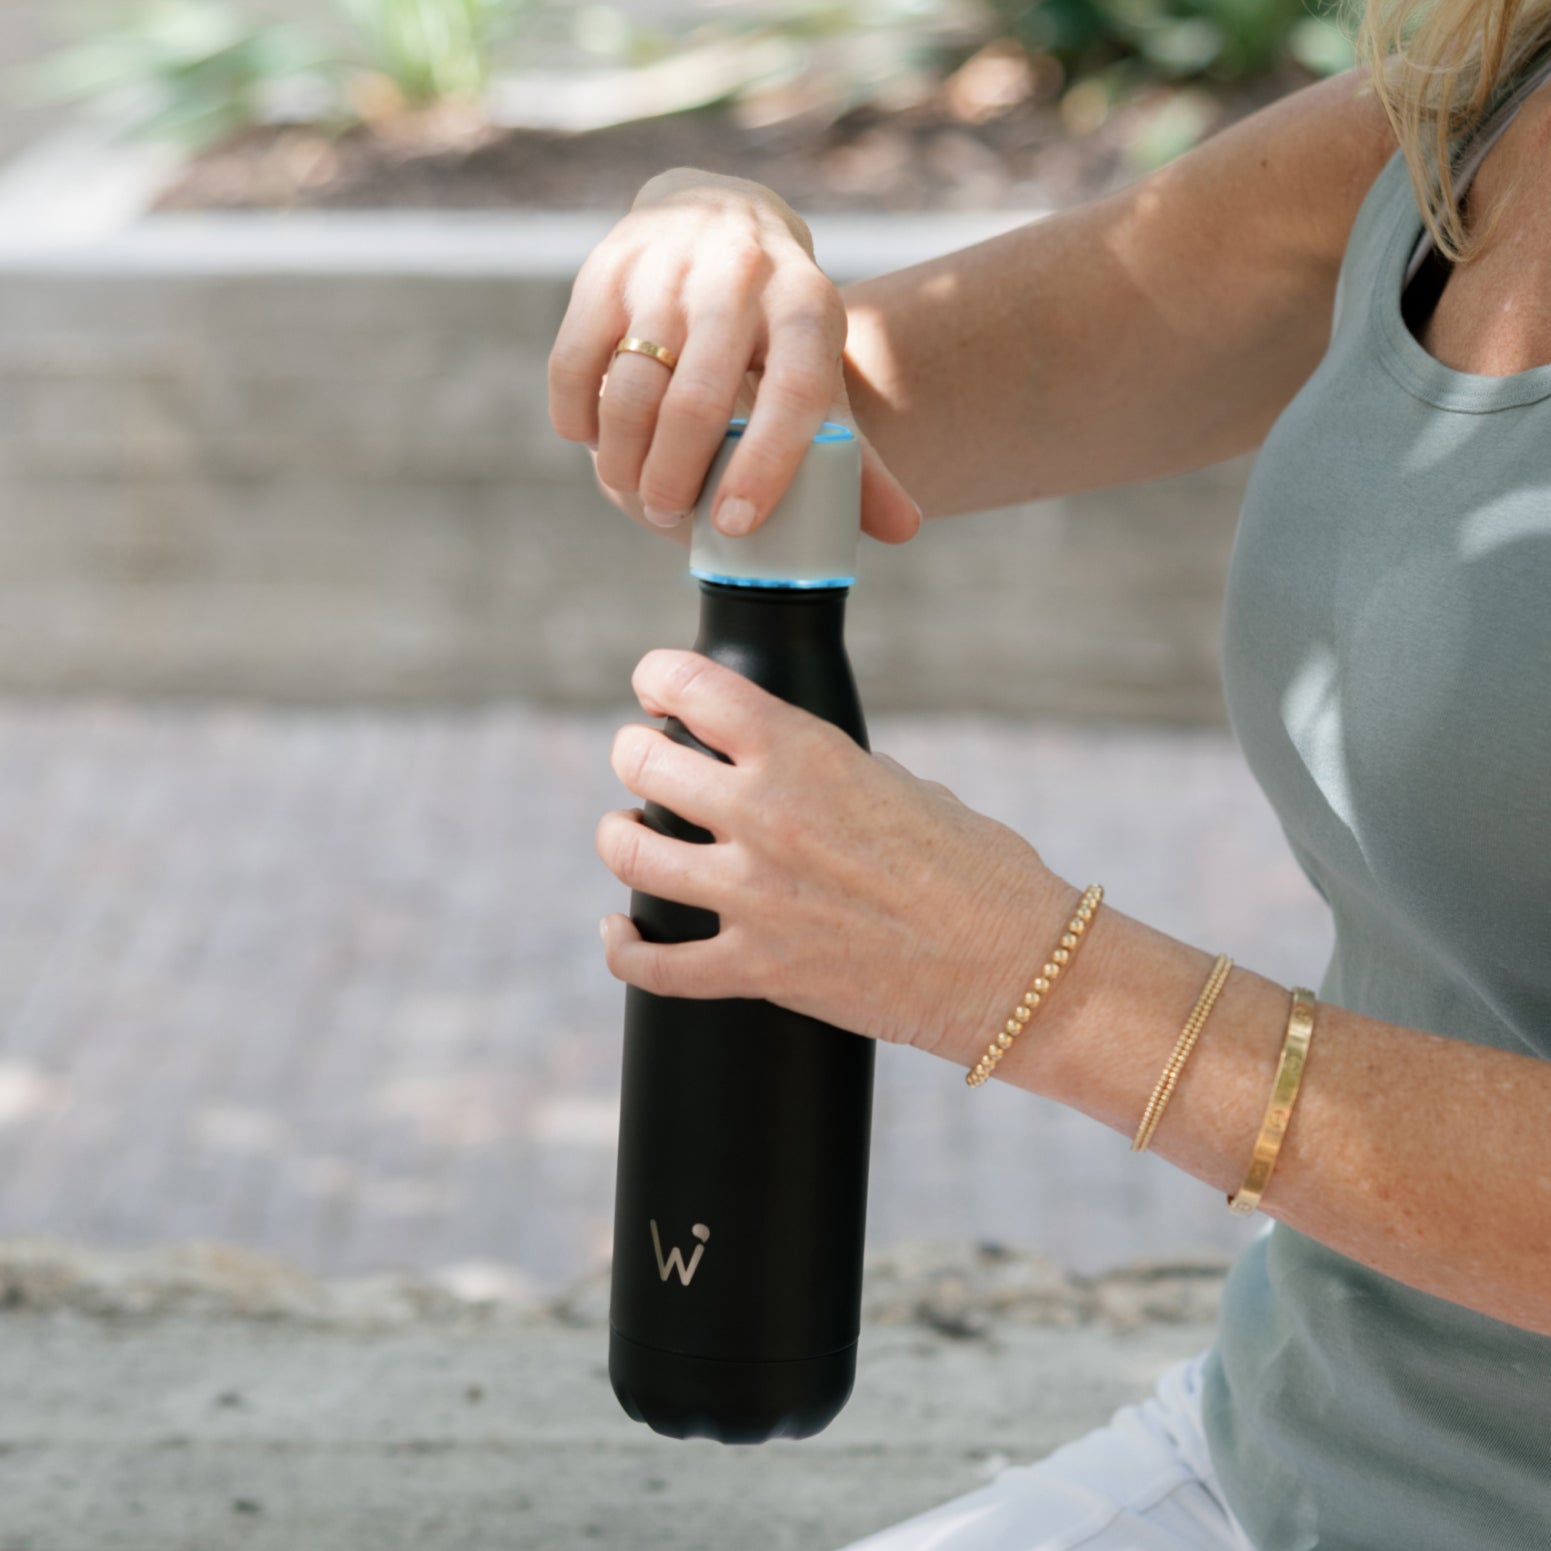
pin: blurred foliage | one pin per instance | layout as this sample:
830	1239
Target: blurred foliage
1108	51
201	69
980	58
850	53
196	70
435	50
1223	40
186	69
872	53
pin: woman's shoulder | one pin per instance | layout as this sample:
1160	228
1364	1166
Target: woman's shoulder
1320	149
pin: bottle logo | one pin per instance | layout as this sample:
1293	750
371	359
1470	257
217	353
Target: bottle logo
675	1260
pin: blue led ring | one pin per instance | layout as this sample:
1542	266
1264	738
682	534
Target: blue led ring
830	431
765	581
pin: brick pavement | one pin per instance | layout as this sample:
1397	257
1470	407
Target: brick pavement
328	984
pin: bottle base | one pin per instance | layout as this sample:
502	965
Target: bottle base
728	1401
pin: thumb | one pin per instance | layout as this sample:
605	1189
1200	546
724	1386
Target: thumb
888	512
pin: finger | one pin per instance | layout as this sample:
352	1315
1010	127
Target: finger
712	967
632	506
593	324
724	710
799	384
633	391
699	402
683	780
657	864
888	511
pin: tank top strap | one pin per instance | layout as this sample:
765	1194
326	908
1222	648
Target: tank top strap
1469	149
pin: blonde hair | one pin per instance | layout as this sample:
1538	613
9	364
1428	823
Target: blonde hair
1437	67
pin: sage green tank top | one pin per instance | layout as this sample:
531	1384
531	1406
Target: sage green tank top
1386	661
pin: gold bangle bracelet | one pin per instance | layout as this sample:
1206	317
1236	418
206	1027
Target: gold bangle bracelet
1284	1093
1163	1090
1060	957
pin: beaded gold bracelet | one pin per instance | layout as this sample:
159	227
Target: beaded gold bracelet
1060	956
1163	1091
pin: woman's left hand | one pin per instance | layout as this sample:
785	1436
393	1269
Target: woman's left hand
846	887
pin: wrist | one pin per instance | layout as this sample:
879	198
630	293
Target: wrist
1016	941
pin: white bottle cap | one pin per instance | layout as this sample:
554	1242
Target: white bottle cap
809	540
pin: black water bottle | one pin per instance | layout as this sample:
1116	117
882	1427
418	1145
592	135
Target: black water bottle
741	1195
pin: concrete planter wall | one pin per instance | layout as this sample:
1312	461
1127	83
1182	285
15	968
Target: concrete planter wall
309	458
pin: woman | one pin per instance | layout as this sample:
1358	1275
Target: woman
1382	1372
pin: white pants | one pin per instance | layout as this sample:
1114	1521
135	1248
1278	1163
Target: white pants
1141	1483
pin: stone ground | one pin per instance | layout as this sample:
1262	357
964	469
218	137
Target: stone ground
213	1401
328	985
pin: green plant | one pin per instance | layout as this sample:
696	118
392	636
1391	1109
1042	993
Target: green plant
198	70
846	54
190	70
1172	39
434	50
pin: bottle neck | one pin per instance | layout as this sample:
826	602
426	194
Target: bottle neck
801	617
789	640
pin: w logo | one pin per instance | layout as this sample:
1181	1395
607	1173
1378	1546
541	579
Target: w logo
675	1261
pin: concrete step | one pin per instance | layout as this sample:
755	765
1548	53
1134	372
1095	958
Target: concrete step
201	1399
309	459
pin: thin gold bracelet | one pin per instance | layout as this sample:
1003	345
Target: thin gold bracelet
1284	1093
1163	1090
1060	957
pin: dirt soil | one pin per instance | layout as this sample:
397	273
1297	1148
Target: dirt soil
917	159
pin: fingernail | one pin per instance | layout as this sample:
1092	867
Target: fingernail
663	519
603	929
735	516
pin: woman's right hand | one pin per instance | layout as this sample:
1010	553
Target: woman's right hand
721	271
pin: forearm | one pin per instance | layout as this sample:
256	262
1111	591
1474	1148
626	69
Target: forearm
1156	330
1416	1154
1043	362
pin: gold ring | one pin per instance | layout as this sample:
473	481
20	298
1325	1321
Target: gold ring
646	347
